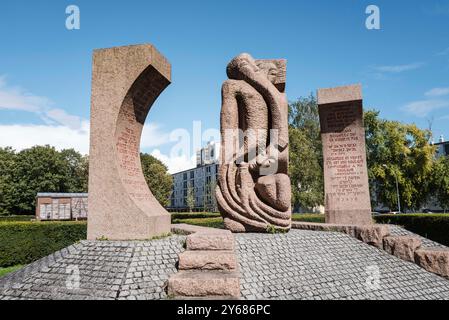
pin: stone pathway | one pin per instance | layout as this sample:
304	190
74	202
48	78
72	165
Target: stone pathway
299	265
107	270
328	265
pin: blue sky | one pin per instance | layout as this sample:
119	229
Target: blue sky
45	69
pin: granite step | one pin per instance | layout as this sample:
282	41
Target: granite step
223	240
208	260
203	283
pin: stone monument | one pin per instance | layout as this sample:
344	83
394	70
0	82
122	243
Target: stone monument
254	192
347	195
125	83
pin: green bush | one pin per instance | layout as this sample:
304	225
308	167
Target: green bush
312	217
16	218
203	222
432	226
25	242
214	220
194	215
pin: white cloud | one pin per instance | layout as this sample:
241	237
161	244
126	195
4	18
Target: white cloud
62	117
437	92
399	68
15	98
18	99
153	136
424	107
175	163
60	129
23	136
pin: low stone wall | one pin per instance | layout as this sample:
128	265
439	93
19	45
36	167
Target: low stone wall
408	248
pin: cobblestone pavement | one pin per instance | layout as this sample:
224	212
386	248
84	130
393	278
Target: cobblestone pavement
107	270
299	265
328	265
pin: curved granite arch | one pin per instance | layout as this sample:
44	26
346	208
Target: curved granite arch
126	82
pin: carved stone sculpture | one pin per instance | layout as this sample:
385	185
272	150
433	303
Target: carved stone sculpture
126	82
254	192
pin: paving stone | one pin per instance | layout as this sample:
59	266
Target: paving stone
207	260
301	264
210	241
333	265
203	283
104	271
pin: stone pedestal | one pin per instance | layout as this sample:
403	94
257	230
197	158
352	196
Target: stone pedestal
125	83
347	195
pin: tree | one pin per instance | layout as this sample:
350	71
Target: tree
38	169
157	177
306	155
78	170
398	151
440	182
190	198
42	169
7	164
209	200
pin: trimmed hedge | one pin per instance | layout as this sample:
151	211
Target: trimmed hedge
194	215
432	226
16	218
204	222
312	217
214	220
25	242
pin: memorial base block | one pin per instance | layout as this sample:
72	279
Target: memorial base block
346	188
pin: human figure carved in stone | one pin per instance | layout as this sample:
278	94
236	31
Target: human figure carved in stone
254	192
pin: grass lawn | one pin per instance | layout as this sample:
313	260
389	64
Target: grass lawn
203	222
214	220
5	271
16	218
308	217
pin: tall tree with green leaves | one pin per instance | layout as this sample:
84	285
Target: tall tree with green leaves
42	169
157	177
306	155
209	200
190	198
440	182
77	167
398	151
7	166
